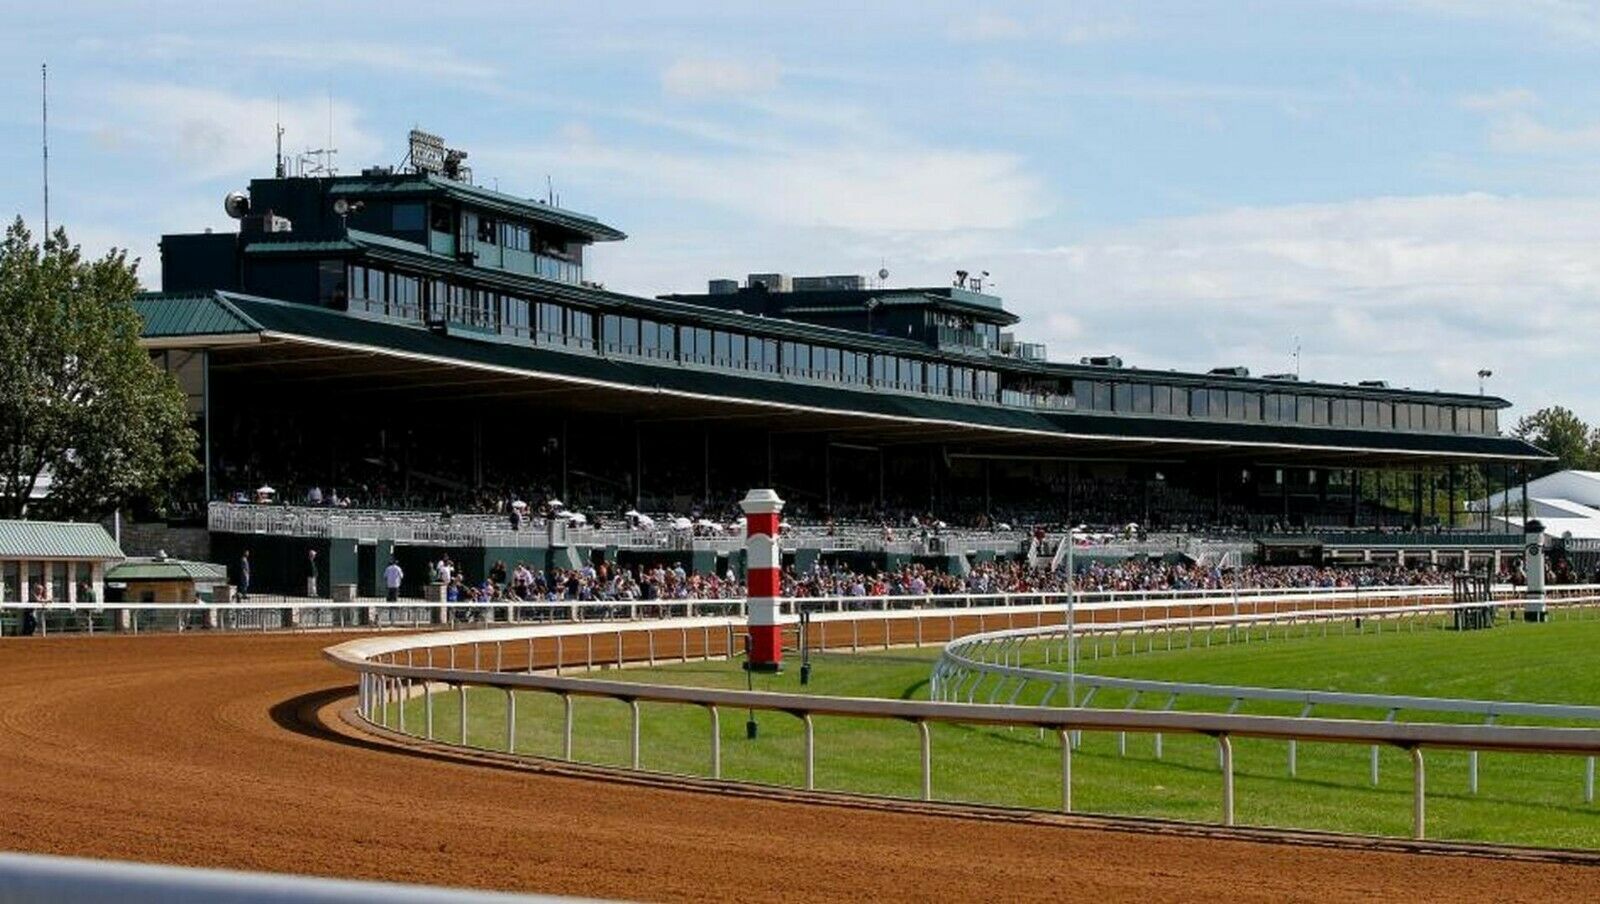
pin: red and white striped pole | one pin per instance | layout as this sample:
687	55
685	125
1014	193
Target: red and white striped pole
762	561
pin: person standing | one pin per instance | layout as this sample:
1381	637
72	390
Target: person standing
244	575
311	572
392	576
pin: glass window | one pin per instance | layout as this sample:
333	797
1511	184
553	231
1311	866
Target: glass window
1236	411
1161	400
1100	395
1142	398
1199	403
488	230
1218	404
407	297
406	217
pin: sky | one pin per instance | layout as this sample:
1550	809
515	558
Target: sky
1405	190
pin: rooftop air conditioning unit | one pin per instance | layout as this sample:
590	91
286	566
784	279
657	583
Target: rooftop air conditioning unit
723	286
1101	361
772	282
1374	384
1230	371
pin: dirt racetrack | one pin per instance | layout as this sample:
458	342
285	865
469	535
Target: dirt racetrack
229	751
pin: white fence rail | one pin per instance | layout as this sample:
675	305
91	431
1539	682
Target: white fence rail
389	674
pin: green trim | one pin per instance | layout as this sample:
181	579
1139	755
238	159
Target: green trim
43	540
644	376
430	186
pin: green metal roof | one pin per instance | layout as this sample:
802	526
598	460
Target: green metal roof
474	196
190	315
56	540
271	247
167	570
313	322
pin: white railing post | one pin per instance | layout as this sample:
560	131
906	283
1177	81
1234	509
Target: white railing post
716	741
811	750
566	727
1225	746
1419	785
511	721
633	707
927	760
1066	770
427	710
463	715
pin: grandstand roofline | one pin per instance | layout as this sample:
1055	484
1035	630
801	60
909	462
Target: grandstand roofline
297	323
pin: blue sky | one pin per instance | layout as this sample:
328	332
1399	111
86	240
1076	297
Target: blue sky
1410	188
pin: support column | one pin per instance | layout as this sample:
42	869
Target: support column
763	557
205	417
72	582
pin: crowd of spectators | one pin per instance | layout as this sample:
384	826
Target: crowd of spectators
609	581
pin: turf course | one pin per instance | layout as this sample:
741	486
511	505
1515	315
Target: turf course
1533	800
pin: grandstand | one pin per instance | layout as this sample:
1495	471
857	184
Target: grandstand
406	341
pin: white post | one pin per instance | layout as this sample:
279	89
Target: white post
927	761
633	706
511	721
566	730
1226	746
811	749
1419	795
1066	770
716	741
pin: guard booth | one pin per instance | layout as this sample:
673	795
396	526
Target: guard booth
1470	591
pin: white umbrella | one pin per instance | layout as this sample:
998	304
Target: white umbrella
265	490
646	521
555	504
682	523
518	504
632	513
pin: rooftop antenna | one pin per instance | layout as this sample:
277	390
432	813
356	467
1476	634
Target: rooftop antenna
1296	357
44	135
549	190
278	166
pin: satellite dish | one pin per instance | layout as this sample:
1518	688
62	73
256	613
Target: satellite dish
341	206
237	204
883	272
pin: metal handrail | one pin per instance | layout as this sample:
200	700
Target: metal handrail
382	679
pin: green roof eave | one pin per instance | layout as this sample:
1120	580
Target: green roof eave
198	314
168	570
365	336
57	540
419	185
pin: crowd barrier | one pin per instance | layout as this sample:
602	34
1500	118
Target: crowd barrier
392	670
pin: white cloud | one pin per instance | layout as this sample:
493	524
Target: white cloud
1421	291
704	76
1566	19
1500	101
208	133
1522	134
420	59
853	188
986	26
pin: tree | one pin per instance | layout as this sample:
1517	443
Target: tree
80	401
1563	434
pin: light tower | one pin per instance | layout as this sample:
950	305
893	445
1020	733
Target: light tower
762	560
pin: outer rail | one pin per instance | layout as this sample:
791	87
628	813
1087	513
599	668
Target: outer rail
384	680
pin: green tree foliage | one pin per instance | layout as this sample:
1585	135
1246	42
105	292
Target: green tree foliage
1564	435
80	401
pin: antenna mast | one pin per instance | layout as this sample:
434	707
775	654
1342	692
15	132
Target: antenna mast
278	165
44	133
1297	357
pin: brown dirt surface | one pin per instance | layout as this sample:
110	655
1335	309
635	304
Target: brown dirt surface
230	751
